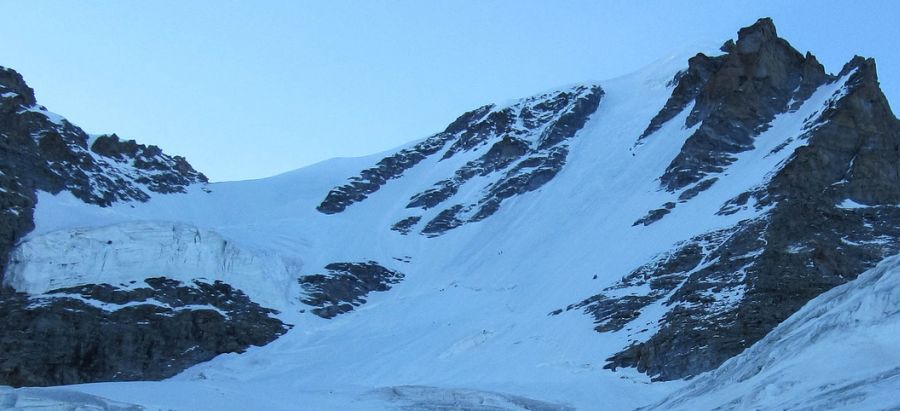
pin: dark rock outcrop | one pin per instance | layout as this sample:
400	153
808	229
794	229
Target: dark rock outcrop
370	180
528	156
735	97
653	216
444	221
527	142
345	286
500	155
164	174
832	212
100	332
406	225
688	84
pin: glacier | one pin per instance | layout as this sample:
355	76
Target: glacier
476	323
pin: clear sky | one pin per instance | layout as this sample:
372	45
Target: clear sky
253	88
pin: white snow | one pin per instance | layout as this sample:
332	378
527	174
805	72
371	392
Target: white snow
849	204
53	117
470	318
115	307
92	138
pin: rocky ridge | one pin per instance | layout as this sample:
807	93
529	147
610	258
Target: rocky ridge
526	146
735	97
832	210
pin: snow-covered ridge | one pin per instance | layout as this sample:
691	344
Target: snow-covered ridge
526	145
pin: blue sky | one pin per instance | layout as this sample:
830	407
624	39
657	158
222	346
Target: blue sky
251	89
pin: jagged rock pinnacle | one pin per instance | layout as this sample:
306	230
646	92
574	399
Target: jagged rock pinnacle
750	38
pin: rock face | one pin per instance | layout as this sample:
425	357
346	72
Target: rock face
100	332
735	96
530	151
833	326
526	146
389	168
833	209
150	331
345	286
40	150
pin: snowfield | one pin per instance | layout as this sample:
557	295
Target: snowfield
468	327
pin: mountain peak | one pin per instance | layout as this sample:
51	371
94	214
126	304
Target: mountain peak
866	66
12	82
751	37
736	95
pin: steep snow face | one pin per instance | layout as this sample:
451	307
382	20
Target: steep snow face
837	352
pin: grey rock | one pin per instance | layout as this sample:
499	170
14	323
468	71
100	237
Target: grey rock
406	225
653	216
527	143
371	180
735	97
687	86
345	286
697	189
726	290
165	174
444	221
100	332
525	168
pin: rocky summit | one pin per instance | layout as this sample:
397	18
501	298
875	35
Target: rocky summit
805	243
699	232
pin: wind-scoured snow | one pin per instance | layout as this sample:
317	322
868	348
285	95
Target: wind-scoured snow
838	352
470	317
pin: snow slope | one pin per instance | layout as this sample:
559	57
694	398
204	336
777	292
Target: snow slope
838	352
469	322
